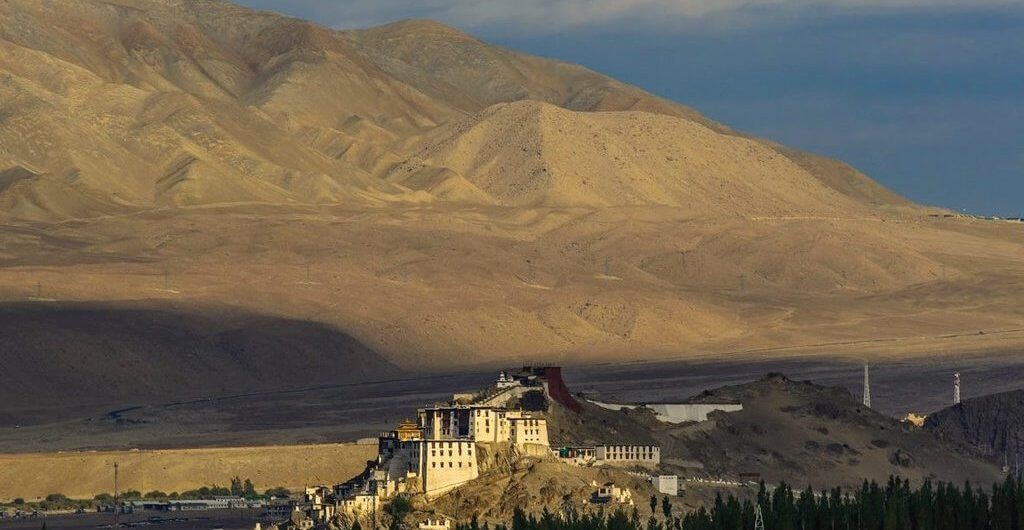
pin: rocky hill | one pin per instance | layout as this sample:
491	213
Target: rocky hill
805	433
446	202
797	432
992	424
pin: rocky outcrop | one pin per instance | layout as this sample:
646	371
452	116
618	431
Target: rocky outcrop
992	424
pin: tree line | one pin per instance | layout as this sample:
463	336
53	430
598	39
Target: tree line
892	506
237	488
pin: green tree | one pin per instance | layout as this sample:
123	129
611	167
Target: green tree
279	491
56	501
620	521
519	521
397	511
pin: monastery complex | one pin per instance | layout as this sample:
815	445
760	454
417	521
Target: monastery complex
449	443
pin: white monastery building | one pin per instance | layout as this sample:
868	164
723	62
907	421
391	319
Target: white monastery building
441	449
447	444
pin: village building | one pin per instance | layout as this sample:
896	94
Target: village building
436	524
579	456
666	484
646	455
610	493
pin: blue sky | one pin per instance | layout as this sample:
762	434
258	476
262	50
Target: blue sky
927	97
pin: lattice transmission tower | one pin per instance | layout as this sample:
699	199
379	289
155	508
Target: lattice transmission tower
867	386
758	517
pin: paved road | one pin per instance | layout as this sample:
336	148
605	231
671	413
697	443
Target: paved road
198	520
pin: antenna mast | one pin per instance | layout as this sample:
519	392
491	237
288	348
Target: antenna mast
758	517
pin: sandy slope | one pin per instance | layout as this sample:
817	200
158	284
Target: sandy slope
530	153
446	286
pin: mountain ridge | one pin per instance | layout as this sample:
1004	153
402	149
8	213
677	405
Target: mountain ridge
447	203
249	104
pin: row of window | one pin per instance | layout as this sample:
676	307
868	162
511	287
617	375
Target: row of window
630	456
434	464
448	444
469	452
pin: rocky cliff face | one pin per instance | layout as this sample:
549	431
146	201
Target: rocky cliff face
993	424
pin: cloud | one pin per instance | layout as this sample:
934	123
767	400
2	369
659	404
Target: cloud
547	16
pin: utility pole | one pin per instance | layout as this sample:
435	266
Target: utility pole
116	507
1006	452
867	386
1017	457
758	517
956	388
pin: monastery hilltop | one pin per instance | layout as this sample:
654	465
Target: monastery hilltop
452	443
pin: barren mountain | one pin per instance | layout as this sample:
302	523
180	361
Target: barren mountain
992	424
447	202
114	105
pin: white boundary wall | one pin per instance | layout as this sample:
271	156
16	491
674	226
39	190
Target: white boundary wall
677	412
